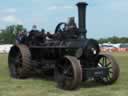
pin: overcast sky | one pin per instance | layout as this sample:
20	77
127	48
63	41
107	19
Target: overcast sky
105	18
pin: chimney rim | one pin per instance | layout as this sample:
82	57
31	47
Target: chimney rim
81	3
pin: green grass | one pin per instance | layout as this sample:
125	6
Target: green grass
39	87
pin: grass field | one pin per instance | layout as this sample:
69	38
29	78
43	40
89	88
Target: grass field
39	87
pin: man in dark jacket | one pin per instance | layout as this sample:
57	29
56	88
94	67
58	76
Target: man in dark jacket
33	31
21	37
35	36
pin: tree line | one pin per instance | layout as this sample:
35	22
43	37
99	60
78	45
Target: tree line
8	35
114	40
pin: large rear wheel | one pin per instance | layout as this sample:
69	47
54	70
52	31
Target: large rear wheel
19	61
68	73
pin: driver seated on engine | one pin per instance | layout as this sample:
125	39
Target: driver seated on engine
35	36
70	31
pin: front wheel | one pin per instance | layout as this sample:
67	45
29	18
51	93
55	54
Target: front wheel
108	61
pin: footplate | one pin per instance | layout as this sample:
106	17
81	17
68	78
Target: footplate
96	72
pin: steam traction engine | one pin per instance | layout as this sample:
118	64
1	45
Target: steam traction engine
68	54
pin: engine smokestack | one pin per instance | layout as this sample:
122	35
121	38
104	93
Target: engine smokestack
82	18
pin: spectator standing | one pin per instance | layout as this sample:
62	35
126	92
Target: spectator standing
21	37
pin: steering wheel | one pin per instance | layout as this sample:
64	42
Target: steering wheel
60	27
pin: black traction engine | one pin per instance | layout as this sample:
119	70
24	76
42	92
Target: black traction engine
67	54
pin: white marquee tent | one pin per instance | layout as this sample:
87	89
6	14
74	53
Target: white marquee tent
5	48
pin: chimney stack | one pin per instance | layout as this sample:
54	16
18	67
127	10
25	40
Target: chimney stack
82	18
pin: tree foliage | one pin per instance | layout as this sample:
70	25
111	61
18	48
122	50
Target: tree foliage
7	35
114	39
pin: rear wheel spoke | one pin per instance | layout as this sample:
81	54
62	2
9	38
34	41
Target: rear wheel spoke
60	66
69	77
68	69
